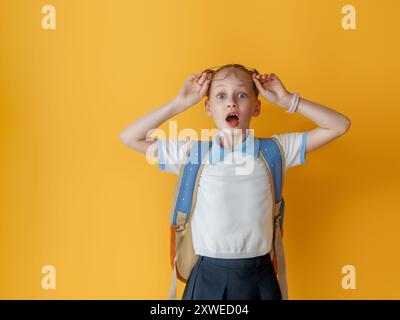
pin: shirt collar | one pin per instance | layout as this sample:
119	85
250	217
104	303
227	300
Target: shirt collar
249	146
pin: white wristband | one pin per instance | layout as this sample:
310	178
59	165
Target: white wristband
294	104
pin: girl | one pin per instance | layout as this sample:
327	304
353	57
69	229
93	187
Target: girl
231	222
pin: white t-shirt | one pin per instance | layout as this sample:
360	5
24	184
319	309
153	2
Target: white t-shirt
232	217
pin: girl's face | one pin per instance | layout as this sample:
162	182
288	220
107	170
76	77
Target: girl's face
232	99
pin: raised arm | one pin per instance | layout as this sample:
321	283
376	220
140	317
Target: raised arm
331	124
134	136
192	91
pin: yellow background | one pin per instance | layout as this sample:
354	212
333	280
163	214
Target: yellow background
73	196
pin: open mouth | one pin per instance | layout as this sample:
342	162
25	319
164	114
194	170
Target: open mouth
232	119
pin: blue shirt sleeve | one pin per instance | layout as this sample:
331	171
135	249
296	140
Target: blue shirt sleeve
303	147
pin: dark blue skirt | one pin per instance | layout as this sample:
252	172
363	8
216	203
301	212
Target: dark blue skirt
232	279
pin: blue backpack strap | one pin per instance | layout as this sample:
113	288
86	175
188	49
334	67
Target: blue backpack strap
274	158
188	179
273	155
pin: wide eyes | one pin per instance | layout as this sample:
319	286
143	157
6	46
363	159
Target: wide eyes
241	95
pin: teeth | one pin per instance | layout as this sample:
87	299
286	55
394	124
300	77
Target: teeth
232	117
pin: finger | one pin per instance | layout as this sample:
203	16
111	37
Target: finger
206	82
263	78
259	79
258	84
273	75
204	87
202	78
196	76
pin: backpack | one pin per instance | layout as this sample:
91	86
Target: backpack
182	255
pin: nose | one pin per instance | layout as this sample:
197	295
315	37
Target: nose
232	104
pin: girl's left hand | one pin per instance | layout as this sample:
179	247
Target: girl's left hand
272	89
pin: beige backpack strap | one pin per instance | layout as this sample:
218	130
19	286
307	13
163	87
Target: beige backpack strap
183	224
173	286
279	253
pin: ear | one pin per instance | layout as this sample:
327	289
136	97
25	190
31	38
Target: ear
208	107
257	108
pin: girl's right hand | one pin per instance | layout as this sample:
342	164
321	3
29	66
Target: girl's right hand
193	89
